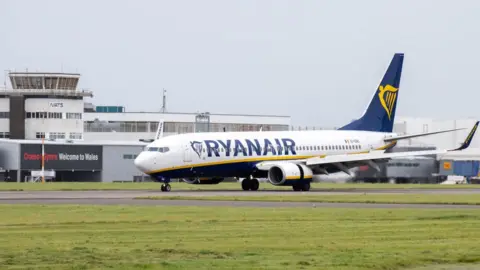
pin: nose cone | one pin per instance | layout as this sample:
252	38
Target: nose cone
141	162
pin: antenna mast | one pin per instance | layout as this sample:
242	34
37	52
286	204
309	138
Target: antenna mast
164	101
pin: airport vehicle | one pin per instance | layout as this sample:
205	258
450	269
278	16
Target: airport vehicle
286	158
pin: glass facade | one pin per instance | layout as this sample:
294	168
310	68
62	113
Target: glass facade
33	81
175	127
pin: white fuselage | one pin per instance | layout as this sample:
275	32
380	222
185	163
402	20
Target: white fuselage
234	154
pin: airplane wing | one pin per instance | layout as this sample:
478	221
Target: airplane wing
409	136
346	161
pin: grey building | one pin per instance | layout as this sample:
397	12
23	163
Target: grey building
21	160
418	169
118	162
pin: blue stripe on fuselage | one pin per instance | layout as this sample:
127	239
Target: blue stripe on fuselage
240	169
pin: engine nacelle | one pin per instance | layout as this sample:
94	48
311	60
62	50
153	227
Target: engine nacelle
203	180
287	174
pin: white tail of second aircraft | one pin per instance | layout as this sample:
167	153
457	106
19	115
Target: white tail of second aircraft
159	133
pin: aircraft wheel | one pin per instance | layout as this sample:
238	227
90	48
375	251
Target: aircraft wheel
306	187
166	187
297	188
246	183
254	184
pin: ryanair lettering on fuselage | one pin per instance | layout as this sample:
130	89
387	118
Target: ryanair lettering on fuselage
248	147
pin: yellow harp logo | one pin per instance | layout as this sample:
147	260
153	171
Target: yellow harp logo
387	96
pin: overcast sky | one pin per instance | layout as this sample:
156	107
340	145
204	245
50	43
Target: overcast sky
317	61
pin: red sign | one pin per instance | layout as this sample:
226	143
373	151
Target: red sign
47	157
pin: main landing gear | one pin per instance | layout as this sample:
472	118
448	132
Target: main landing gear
301	187
250	184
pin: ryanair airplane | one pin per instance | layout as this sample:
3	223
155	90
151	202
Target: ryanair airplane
286	158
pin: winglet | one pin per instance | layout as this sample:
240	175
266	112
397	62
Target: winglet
468	140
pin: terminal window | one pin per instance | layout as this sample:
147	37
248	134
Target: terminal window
54	115
75	136
74	116
50	115
5	115
56	135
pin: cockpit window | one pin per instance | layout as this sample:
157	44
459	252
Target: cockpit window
163	149
158	149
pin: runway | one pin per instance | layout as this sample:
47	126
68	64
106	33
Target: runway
126	197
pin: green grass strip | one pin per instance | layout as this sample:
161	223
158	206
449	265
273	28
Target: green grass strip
466	199
135	237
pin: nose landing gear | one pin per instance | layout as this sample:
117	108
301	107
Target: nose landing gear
166	187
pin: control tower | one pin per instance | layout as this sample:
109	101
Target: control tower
42	105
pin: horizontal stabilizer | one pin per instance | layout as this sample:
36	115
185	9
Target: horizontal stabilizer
404	137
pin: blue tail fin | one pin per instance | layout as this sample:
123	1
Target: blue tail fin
380	114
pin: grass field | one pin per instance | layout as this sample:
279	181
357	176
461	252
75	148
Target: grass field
469	199
226	186
117	237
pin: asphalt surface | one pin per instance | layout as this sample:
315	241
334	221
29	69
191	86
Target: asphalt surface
126	197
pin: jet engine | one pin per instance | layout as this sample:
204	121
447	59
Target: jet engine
203	180
287	174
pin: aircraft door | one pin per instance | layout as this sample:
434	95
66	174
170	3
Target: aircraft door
187	153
